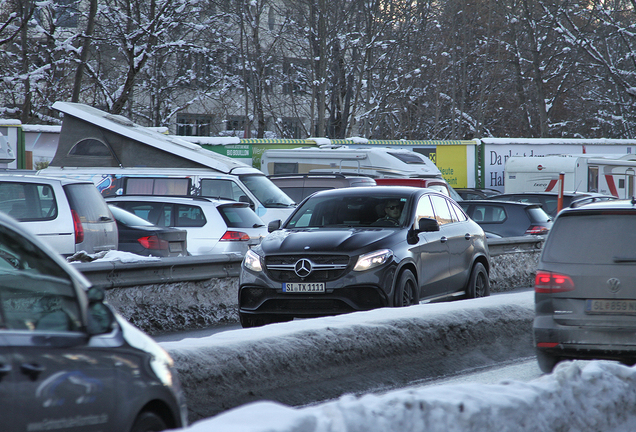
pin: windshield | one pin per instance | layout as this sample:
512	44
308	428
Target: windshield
350	211
127	218
266	192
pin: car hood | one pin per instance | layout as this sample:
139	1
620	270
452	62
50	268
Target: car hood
329	240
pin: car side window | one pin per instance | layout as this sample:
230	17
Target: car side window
442	212
28	201
219	188
35	294
456	210
189	216
424	209
489	214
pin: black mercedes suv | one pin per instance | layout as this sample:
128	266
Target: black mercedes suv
355	249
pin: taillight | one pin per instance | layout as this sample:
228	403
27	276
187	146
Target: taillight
550	283
153	242
77	226
537	230
235	236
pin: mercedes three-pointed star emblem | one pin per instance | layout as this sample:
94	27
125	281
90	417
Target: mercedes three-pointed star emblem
303	267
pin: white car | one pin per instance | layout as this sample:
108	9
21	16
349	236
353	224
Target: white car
213	226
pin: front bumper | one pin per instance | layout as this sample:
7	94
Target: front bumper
354	291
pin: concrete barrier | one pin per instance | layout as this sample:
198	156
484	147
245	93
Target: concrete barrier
167	307
307	361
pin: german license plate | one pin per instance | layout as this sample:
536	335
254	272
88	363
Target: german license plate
624	307
304	287
175	247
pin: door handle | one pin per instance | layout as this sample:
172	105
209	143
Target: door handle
443	239
32	369
467	236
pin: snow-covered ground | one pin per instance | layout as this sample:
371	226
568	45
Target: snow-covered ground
579	396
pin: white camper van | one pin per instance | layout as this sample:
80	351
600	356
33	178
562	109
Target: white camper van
373	162
606	174
122	157
245	185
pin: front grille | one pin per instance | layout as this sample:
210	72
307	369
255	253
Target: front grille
325	267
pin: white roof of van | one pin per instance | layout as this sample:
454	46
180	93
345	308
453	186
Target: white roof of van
168	143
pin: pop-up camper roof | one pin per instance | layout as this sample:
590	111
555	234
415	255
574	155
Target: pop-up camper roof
94	138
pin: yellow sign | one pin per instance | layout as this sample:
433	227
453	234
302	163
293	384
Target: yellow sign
452	162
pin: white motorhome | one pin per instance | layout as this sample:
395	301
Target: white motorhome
606	174
246	185
121	157
372	162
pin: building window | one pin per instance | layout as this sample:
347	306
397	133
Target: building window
194	124
271	18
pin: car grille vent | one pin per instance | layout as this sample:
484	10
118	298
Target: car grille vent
324	267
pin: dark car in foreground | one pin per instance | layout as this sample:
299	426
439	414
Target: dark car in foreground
355	249
67	361
508	218
585	287
138	236
550	200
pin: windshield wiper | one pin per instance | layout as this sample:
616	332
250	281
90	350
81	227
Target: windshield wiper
624	259
279	204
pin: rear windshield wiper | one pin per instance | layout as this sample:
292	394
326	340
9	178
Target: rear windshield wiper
617	259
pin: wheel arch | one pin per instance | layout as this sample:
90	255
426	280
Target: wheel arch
405	265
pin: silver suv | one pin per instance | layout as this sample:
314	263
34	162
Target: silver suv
70	215
585	286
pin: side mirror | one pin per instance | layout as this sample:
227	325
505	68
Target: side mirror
100	318
427	225
274	225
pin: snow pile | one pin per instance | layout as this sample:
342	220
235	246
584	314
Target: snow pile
111	255
303	361
578	396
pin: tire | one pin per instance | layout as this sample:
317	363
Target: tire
148	422
546	361
406	293
479	283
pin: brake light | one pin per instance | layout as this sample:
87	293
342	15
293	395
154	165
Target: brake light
537	230
77	226
235	236
550	283
547	344
153	242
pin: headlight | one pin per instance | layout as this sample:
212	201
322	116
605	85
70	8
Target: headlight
373	259
252	261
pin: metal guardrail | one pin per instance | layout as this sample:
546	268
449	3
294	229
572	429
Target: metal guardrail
511	245
117	274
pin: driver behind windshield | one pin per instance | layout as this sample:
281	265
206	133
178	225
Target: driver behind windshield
392	212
